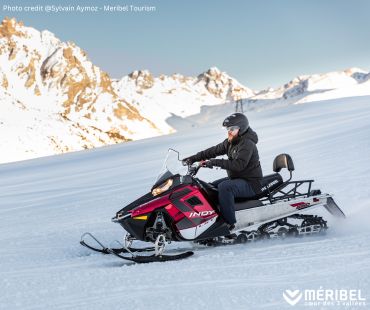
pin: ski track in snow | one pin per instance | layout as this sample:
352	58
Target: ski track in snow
47	203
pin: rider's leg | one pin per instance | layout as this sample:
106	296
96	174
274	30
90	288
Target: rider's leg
218	181
227	191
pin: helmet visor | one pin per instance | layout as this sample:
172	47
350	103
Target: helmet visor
232	128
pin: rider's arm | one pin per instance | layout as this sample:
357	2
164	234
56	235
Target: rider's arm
214	151
240	162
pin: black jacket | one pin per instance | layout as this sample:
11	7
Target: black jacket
243	160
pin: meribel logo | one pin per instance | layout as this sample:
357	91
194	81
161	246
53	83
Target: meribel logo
325	297
292	297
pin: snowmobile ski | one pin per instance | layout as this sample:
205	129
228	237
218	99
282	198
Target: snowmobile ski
157	257
141	259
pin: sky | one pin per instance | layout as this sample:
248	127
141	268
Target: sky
263	43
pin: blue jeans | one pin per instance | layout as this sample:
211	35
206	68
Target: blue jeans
229	189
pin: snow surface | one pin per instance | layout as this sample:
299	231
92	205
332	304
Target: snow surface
47	203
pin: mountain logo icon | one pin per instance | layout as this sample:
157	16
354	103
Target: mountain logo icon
292	297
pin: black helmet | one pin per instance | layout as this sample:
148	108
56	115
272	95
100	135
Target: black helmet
237	119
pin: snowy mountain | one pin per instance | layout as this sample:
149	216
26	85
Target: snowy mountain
54	100
47	203
307	88
178	95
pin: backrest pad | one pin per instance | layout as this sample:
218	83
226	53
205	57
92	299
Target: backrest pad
283	161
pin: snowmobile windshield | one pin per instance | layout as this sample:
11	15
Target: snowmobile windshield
172	165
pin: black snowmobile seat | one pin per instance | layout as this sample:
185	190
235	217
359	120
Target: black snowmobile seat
272	181
268	183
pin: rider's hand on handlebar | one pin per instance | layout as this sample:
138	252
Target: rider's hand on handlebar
206	164
188	161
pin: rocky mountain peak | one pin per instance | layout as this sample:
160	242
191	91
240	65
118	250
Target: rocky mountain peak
143	78
10	27
221	85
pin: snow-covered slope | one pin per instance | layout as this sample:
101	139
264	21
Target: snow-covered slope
47	203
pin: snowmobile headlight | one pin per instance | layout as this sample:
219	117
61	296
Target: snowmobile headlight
162	188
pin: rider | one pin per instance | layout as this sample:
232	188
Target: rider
242	166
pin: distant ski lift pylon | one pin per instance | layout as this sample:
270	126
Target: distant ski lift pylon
238	100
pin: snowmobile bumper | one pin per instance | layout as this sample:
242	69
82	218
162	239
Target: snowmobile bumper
333	208
119	217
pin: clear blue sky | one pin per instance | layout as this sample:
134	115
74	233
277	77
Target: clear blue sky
262	43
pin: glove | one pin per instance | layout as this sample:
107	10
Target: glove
206	163
188	161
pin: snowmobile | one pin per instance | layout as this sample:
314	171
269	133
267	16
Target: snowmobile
181	207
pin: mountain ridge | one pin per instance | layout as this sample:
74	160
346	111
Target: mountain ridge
55	100
66	103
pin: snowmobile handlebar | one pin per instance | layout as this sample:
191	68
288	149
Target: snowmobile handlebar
193	169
